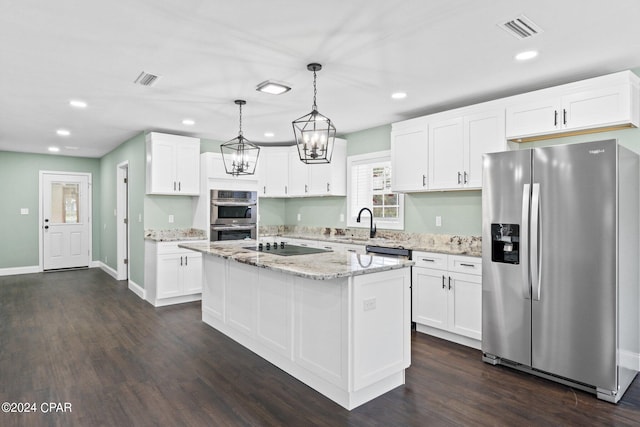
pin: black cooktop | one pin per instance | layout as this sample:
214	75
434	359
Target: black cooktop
284	249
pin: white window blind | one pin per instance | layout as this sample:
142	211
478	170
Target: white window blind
369	179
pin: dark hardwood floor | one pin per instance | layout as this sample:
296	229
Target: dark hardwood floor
82	338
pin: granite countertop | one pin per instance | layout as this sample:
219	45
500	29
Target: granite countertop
175	235
452	245
318	266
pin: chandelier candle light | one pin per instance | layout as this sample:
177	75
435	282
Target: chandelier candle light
240	155
314	132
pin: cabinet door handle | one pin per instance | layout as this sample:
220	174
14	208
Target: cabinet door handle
466	178
180	260
555	117
174	186
179	186
285	190
449	282
443	281
264	190
306	188
564	116
467	265
186	260
459	176
328	187
424	178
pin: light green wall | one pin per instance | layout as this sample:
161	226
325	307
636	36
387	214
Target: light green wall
19	188
132	151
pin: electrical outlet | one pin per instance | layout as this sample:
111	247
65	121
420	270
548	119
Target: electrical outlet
24	211
299	216
438	221
171	218
341	217
139	217
369	304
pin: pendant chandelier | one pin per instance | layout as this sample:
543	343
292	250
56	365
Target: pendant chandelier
314	132
240	155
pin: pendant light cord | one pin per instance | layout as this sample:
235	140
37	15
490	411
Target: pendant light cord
240	131
315	91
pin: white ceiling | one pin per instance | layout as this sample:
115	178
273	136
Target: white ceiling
443	53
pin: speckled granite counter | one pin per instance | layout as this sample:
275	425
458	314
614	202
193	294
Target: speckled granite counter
175	235
440	243
319	266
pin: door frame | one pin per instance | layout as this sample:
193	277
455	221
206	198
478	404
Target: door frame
122	212
41	175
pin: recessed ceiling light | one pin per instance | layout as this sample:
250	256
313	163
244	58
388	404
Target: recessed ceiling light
269	134
273	88
70	147
188	122
63	132
78	103
399	95
529	54
54	149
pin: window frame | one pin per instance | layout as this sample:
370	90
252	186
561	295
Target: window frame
381	223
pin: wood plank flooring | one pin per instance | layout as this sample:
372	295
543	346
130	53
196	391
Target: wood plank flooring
83	338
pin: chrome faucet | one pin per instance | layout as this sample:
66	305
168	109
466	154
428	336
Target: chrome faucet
372	227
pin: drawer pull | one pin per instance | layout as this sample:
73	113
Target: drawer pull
467	265
429	259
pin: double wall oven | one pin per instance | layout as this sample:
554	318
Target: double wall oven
233	215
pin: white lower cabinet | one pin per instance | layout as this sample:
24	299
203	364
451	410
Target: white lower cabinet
172	275
447	296
348	338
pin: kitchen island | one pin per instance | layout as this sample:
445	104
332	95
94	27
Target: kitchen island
337	321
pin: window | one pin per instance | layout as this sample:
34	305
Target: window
369	183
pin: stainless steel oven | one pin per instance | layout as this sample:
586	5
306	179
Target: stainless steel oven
233	214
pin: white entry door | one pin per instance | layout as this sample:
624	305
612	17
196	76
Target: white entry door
65	220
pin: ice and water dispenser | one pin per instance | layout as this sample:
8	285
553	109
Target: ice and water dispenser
505	243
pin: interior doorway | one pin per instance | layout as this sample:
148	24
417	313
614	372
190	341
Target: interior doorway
65	220
122	220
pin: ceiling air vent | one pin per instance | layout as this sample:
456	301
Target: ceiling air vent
521	27
146	79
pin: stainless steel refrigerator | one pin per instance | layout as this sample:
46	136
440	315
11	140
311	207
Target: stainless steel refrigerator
560	248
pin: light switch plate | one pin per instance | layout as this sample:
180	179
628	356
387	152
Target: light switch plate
171	219
438	221
24	211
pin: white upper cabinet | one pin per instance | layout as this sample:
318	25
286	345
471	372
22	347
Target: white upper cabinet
483	133
456	146
283	174
328	179
173	164
273	176
409	155
446	154
601	103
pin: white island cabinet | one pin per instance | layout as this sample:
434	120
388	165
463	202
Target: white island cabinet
337	321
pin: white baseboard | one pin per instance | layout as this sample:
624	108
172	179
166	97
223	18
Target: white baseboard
19	270
449	336
104	267
137	289
630	360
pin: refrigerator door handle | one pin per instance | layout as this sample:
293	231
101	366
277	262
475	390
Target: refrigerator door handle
534	257
524	241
